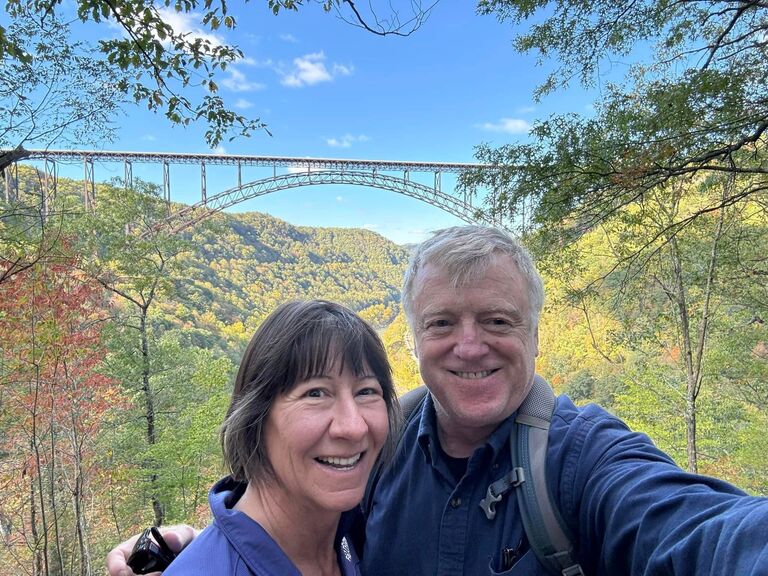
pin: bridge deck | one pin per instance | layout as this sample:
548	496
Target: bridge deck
243	160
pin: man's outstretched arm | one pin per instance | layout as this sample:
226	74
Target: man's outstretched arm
177	537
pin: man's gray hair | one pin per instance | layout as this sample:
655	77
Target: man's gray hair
465	252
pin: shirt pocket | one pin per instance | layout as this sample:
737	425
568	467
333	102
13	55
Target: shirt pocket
525	565
516	561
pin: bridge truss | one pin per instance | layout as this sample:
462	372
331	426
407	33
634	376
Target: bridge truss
409	179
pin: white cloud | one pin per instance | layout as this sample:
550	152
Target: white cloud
220	150
339	198
149	137
243	104
526	110
311	69
236	81
341	70
346	141
188	23
507	125
288	38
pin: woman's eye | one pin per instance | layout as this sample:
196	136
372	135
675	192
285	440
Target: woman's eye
314	393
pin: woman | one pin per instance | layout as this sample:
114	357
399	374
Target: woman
310	413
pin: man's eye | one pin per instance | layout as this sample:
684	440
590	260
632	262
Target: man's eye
438	324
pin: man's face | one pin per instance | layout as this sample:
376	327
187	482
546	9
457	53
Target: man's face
476	349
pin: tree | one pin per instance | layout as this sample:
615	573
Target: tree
53	401
679	311
699	107
31	226
79	85
54	90
137	263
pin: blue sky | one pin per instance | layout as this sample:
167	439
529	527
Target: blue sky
328	89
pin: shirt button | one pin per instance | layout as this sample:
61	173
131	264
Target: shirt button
455	502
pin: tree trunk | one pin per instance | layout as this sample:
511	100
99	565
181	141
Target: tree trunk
149	401
81	528
694	362
37	554
52	479
691	390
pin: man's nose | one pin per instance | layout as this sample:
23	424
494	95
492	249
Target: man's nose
470	343
348	421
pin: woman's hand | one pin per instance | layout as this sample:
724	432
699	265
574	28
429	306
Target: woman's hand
177	537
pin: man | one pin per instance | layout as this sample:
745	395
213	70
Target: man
472	297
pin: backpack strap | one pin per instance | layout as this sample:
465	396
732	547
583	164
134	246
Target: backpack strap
547	532
409	401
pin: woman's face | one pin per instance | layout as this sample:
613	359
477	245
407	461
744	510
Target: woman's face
323	436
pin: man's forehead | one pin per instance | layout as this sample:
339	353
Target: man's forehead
460	275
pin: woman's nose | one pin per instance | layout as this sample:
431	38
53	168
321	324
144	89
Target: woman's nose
348	421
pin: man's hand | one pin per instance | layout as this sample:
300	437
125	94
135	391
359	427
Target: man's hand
177	537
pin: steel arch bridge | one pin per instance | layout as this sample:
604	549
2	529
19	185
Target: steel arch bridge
301	172
190	215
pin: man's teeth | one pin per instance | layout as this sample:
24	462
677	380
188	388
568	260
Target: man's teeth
474	375
340	462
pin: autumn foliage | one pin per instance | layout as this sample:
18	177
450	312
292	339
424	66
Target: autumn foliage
53	404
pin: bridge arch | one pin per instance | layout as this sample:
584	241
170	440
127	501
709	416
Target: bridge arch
190	215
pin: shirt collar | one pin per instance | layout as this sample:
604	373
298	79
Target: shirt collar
257	548
429	441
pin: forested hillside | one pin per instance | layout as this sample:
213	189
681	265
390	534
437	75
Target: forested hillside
239	267
119	342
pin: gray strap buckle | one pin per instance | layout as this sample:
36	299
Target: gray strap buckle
497	489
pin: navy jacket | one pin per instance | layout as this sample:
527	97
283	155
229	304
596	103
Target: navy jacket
236	545
633	511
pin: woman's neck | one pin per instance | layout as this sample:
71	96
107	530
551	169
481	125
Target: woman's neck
305	536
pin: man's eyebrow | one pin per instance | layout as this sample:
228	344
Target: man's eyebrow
509	310
513	313
434	312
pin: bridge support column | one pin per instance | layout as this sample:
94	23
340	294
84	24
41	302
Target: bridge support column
50	183
203	187
128	171
89	187
8	180
166	182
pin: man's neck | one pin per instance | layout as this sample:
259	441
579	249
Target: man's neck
461	442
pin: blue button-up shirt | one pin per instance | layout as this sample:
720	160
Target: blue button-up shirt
634	512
